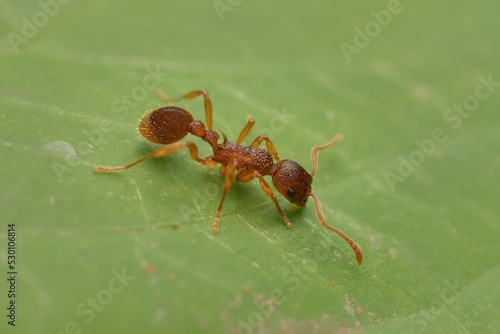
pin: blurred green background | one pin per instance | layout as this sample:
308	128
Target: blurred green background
102	253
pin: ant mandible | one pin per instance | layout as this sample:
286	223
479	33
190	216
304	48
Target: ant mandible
167	125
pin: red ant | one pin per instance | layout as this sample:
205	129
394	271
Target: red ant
167	125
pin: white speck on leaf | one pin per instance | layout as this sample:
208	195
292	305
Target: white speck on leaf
393	253
60	148
421	92
348	306
158	316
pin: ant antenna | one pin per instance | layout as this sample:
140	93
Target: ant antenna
319	212
322	221
315	149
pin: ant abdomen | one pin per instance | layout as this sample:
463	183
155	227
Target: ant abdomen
165	125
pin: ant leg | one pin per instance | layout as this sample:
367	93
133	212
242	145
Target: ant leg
314	151
189	96
228	172
161	152
245	131
270	194
245	176
193	151
269	145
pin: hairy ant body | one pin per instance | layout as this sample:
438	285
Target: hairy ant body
167	125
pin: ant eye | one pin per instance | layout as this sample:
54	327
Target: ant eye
290	192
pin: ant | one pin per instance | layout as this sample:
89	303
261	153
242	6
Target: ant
169	124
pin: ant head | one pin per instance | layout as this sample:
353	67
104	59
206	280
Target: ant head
292	181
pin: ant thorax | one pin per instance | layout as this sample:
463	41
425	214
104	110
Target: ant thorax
251	158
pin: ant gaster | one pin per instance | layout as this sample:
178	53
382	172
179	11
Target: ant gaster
167	125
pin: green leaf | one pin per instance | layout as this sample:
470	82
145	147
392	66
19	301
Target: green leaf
414	183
